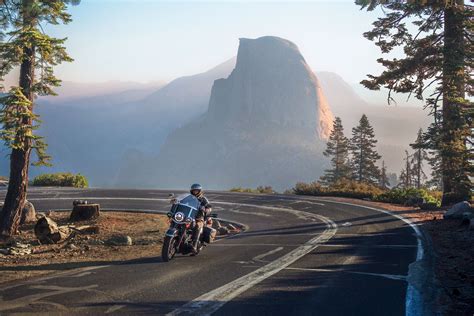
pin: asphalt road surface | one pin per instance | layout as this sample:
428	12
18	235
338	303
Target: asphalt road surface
298	256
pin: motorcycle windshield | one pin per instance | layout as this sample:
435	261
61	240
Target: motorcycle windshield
186	204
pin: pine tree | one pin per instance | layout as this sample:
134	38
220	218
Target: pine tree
384	182
406	175
419	156
364	155
439	53
35	53
338	150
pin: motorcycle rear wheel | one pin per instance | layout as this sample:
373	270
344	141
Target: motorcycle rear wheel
169	249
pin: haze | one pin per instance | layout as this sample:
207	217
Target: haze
147	41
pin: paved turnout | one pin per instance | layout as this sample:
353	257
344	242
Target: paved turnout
298	256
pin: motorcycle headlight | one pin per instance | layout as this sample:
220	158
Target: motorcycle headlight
178	216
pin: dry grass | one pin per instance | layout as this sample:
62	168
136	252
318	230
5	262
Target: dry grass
146	231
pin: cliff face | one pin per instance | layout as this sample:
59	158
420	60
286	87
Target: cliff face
265	125
271	85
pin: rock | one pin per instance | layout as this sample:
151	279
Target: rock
48	232
28	214
120	240
72	247
216	224
231	227
223	230
467	215
271	103
82	212
457	210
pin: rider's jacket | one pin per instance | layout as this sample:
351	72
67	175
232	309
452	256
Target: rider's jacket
202	210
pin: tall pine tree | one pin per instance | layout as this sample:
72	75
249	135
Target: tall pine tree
364	155
35	53
438	48
338	150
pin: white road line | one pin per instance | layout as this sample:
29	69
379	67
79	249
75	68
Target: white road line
210	302
387	276
263	255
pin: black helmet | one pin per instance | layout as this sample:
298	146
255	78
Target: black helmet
196	186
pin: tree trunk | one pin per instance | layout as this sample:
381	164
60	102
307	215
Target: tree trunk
20	158
456	185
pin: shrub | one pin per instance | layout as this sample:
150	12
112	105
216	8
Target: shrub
61	179
342	188
410	196
259	189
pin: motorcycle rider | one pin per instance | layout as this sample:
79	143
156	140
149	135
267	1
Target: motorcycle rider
204	210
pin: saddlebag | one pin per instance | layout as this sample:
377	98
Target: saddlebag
208	234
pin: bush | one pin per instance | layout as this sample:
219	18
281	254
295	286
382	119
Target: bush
61	179
342	188
353	189
259	189
410	196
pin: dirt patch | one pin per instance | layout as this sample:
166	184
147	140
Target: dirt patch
453	245
145	230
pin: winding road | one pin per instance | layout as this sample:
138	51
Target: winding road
298	256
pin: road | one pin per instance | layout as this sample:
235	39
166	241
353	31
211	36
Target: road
299	256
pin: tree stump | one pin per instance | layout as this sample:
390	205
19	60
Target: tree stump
28	213
48	232
83	212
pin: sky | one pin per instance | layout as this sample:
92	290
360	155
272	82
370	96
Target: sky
144	41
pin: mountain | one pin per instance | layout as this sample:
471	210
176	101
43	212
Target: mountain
113	132
95	133
266	124
72	91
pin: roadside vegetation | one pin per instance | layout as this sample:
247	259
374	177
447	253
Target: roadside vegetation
354	171
259	189
61	179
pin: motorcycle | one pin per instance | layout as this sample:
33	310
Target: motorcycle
178	237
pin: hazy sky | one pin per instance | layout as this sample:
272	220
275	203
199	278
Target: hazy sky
161	40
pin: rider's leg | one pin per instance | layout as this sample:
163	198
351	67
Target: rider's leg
197	233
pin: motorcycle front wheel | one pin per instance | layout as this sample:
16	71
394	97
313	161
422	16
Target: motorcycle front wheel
169	248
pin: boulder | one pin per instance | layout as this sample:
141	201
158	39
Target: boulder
223	230
48	232
457	210
28	213
120	240
216	224
83	212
